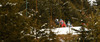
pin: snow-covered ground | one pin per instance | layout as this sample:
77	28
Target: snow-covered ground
66	30
58	31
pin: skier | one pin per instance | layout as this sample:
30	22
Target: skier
62	23
57	21
69	24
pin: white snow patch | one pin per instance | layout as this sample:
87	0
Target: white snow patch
12	4
0	5
92	2
44	24
62	40
66	30
20	13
